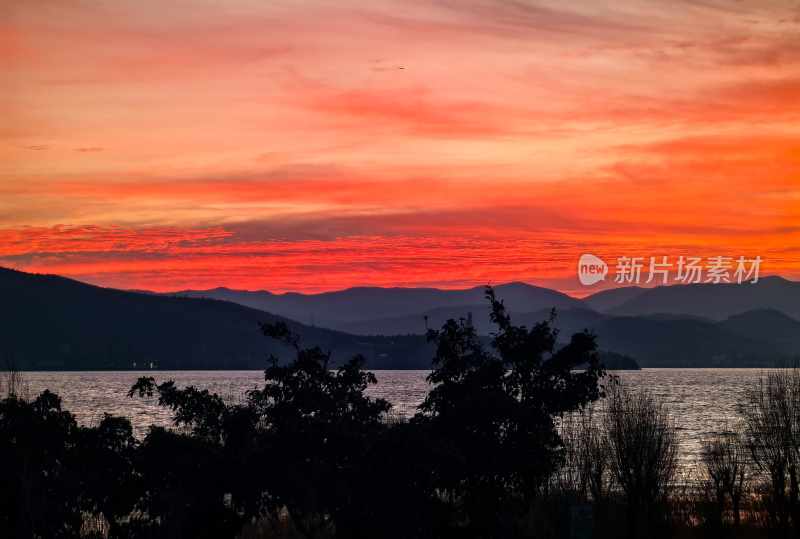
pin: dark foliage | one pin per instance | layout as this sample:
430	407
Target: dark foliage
55	471
494	411
311	447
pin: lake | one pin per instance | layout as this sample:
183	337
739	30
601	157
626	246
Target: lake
702	401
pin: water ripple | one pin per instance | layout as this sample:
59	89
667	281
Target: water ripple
702	401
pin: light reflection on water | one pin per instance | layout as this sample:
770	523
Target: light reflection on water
702	401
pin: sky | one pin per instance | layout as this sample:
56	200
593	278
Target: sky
316	145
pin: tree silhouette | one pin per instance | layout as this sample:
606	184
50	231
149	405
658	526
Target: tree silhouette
316	427
495	411
312	445
294	445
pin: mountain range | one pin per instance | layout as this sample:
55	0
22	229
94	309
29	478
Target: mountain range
714	301
51	322
348	310
680	325
365	310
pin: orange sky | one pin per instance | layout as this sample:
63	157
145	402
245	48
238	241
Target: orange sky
323	144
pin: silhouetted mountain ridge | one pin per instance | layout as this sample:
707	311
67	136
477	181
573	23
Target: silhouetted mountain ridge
680	325
606	300
51	322
58	323
341	309
714	301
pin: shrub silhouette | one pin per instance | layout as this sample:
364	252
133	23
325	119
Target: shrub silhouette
57	472
104	469
36	440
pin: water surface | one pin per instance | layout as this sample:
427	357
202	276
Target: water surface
702	401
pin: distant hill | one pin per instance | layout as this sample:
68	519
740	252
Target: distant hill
373	311
609	299
714	301
684	341
767	325
479	314
679	342
417	323
50	322
681	325
618	362
402	309
753	339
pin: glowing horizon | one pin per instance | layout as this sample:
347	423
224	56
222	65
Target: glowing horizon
317	146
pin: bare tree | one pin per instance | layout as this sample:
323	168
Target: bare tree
569	479
14	382
771	413
595	457
643	450
725	459
586	469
